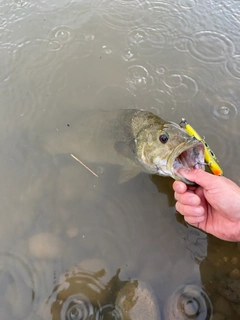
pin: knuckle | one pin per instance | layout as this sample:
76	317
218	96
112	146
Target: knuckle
197	171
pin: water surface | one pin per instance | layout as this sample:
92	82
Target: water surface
74	246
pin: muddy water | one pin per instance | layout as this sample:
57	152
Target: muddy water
74	246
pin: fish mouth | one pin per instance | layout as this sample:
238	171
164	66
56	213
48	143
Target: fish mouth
189	156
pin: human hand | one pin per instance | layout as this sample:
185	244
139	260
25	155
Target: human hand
213	206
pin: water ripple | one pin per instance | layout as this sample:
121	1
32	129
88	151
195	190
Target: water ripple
138	78
181	44
166	13
108	49
162	8
6	64
110	311
211	46
233	66
148	40
216	107
187	4
63	34
158	101
81	47
224	110
93	295
83	295
77	307
189	302
74	296
129	54
5	37
21	3
230	14
15	10
181	86
3	21
120	14
37	51
175	22
233	7
17	284
46	6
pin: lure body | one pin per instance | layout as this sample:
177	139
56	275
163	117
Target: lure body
209	156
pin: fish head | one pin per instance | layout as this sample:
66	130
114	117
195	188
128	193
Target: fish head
164	149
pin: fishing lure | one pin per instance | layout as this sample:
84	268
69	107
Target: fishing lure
209	156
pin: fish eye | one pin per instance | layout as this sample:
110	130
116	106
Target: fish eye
163	138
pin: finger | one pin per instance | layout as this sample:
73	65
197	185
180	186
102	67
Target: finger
201	177
188	198
203	201
179	187
200	192
193	188
194	221
187	210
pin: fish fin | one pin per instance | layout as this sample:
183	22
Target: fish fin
127	173
123	149
130	170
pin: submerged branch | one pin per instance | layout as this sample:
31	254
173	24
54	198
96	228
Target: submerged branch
84	165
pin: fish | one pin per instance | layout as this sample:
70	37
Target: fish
135	140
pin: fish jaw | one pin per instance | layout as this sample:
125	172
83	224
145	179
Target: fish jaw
188	156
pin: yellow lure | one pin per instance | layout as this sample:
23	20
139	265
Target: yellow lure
209	156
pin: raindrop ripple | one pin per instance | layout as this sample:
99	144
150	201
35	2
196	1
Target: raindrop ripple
189	302
138	78
120	14
211	46
233	66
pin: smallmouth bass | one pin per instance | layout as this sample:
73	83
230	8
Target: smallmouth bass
136	140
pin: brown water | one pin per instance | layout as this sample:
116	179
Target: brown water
74	246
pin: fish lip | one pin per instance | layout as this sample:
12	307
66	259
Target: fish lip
189	156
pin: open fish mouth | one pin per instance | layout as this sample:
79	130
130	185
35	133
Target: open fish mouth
191	157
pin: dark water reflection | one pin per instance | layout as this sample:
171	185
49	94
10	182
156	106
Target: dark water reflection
74	246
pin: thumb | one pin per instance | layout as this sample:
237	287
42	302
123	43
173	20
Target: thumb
202	178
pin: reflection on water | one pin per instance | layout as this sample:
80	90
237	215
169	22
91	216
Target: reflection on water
85	295
175	58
